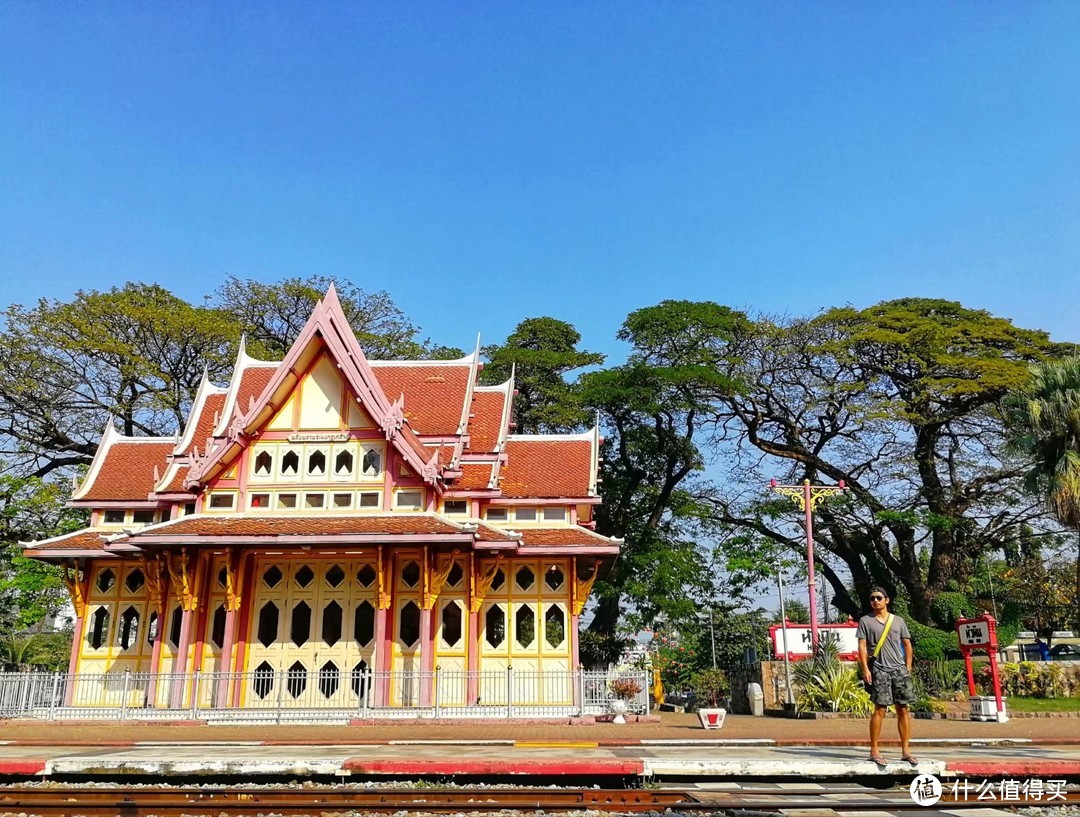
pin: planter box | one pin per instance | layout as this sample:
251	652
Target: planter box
985	708
712	718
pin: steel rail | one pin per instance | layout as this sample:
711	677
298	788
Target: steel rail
127	801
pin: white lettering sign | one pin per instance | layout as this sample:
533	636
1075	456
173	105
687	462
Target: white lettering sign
974	634
801	640
316	437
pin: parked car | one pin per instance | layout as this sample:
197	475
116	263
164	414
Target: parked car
1065	652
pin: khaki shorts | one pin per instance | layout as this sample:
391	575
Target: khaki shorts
892	687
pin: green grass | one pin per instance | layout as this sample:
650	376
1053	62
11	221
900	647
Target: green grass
1043	704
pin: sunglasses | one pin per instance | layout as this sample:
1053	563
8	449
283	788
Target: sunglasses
877	598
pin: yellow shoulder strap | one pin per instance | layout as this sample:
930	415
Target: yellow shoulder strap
885	632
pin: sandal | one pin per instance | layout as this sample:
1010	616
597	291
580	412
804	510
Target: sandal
879	760
914	761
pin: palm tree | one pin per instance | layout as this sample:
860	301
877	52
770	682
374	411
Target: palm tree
1044	422
18	651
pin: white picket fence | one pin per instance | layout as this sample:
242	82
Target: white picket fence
314	696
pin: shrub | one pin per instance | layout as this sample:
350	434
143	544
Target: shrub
1025	680
941	676
624	688
829	685
835	687
710	687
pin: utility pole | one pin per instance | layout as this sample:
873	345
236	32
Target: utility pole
807	496
783	628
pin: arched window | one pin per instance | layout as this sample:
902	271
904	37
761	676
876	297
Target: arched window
372	463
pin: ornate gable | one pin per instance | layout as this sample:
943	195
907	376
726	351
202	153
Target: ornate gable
324	365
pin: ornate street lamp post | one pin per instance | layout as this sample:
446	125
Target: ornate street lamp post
807	496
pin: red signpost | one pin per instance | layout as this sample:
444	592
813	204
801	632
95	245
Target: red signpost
981	634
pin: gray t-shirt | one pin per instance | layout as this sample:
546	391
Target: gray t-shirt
892	651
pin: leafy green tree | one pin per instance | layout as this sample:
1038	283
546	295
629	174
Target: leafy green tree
901	402
136	352
1044	422
272	316
654	411
542	352
31	508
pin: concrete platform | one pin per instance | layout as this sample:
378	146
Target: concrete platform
162	761
675	747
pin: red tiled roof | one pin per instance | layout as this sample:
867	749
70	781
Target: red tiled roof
300	526
489	533
486	420
85	539
434	395
252	382
205	422
176	484
555	468
128	471
554	537
474	477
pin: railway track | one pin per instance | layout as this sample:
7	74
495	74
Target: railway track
126	801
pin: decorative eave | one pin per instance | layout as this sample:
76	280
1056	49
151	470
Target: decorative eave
109	439
87	543
292	530
329	326
243	362
206	388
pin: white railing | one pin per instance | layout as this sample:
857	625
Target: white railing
321	695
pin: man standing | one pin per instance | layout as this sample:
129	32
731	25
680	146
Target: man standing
885	656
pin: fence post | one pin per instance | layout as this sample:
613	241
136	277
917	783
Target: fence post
280	692
370	679
509	691
52	698
124	695
438	690
24	707
195	696
581	691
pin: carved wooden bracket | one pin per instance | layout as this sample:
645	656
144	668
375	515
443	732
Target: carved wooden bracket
382	595
481	582
232	580
78	586
582	587
438	580
156	573
187	578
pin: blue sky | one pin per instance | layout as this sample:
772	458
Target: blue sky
486	162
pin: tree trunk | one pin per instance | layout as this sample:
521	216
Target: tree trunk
608	612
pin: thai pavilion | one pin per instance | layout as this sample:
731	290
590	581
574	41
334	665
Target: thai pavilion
329	528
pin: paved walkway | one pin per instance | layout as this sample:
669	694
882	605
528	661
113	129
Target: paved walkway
672	726
746	747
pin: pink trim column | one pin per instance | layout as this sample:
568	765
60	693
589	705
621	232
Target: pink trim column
575	658
427	658
472	662
176	688
73	662
225	664
155	660
383	658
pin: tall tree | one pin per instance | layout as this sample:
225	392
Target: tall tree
653	409
901	402
272	315
136	352
543	351
31	508
1044	423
